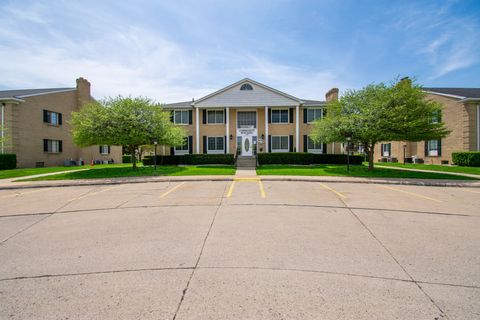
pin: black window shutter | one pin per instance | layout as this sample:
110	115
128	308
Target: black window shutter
426	148
204	143
60	119
108	149
204	115
172	151
172	115
100	149
305	142
60	148
269	143
291	144
439	147
45	145
190	116
305	115
324	148
389	149
190	144
324	112
45	116
269	115
381	149
291	115
225	116
225	144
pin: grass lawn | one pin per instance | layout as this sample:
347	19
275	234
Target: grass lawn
15	173
355	171
457	169
112	171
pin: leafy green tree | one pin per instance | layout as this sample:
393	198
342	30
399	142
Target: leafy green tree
126	121
380	112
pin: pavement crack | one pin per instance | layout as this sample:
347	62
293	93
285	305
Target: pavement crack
25	229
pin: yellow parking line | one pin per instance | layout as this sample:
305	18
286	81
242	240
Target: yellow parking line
246	179
21	194
171	190
411	193
262	191
333	190
230	190
470	191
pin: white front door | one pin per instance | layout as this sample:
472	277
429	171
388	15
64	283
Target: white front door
247	145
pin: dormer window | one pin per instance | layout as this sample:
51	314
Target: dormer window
246	86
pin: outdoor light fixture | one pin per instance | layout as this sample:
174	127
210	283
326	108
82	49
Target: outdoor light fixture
155	142
231	137
263	136
349	138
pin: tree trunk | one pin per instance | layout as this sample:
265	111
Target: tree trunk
370	157
133	157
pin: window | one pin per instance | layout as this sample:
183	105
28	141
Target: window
51	117
314	114
215	144
247	119
183	149
52	146
181	117
280	144
432	148
279	116
105	149
386	149
215	116
314	147
246	87
436	117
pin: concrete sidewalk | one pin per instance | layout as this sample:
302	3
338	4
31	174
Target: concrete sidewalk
476	176
127	180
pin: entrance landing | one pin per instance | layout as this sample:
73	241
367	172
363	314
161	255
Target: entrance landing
244	173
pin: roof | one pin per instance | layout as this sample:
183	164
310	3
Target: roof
461	93
17	94
313	103
184	104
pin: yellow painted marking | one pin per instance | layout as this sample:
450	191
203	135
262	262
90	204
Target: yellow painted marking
21	194
333	190
262	191
411	193
171	190
246	179
230	190
470	191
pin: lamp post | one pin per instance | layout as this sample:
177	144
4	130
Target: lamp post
155	154
348	153
404	153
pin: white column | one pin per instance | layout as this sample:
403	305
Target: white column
265	142
478	127
3	128
227	129
297	128
197	130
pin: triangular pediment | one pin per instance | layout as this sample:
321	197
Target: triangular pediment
247	93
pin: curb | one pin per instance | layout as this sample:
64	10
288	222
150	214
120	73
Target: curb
411	182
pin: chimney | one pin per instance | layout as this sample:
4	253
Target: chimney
83	91
332	95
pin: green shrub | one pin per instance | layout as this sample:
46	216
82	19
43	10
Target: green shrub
467	159
307	158
126	158
8	161
191	159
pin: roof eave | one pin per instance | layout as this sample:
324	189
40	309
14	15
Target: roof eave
11	100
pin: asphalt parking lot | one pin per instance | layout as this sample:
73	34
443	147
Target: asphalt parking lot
247	249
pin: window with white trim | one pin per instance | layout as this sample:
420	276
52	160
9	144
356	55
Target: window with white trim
314	147
280	144
52	146
280	116
215	116
247	119
215	144
432	148
104	149
386	149
314	114
52	117
181	117
183	149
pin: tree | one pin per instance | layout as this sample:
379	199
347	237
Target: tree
379	112
126	121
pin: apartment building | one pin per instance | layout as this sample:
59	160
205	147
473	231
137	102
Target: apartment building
461	114
36	124
247	117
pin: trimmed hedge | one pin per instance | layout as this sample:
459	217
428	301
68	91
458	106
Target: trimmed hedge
467	159
191	159
126	158
307	158
8	161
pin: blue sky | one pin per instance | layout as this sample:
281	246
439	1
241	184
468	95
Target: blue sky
176	50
